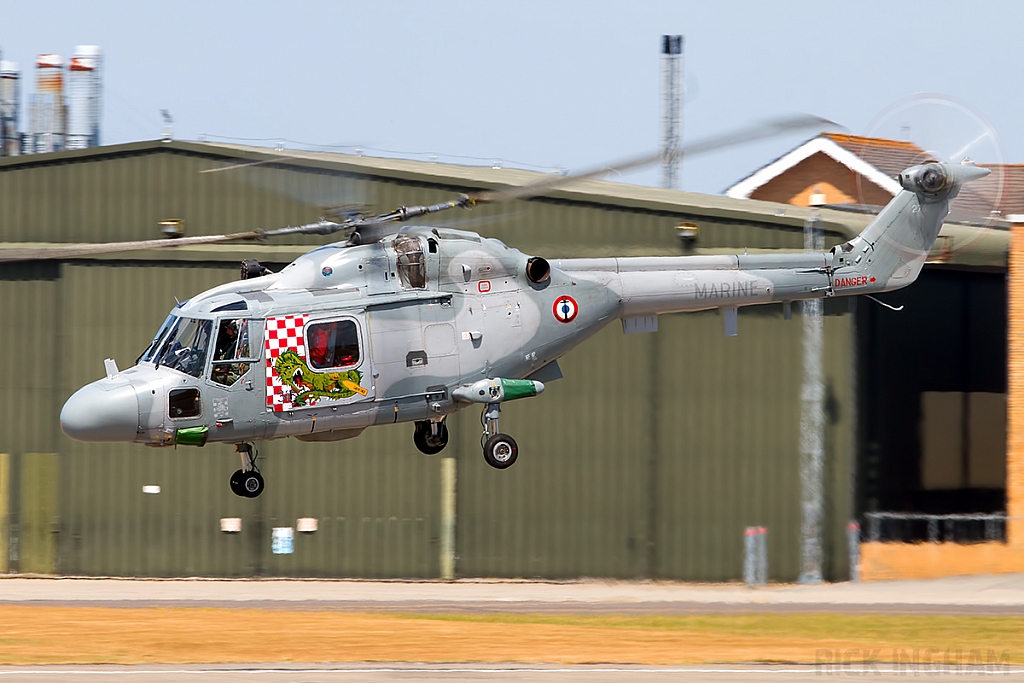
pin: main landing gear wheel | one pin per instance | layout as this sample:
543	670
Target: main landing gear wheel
501	451
247	482
430	437
236	483
252	484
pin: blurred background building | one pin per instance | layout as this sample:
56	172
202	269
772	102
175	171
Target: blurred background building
843	170
648	460
65	110
10	103
48	113
84	97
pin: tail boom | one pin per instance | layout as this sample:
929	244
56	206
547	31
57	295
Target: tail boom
889	254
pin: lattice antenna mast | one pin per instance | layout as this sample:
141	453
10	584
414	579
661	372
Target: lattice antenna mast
672	118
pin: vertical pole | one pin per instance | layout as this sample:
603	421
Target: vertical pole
448	518
38	514
672	127
255	524
14	506
812	423
755	556
749	553
5	506
853	542
762	556
654	452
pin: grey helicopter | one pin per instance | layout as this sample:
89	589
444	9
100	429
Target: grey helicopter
411	323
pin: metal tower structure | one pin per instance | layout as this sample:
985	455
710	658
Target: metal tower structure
10	106
48	111
84	100
672	120
812	417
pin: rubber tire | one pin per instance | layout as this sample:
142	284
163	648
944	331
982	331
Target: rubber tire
493	451
236	483
419	437
252	484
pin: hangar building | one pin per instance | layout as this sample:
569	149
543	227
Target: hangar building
648	459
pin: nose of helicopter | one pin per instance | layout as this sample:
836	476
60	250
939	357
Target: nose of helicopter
102	412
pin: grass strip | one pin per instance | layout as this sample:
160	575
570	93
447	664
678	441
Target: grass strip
91	635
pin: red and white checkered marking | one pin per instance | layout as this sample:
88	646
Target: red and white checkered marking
280	335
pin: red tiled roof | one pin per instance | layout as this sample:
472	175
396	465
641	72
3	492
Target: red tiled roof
1002	190
888	156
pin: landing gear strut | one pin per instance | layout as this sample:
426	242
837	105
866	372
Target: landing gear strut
247	482
500	450
431	436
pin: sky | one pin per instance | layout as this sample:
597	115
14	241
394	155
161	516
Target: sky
543	85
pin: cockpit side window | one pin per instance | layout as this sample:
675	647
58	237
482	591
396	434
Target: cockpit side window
412	267
232	345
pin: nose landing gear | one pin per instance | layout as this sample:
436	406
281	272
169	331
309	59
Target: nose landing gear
247	482
500	450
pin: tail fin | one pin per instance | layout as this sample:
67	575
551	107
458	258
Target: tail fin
891	251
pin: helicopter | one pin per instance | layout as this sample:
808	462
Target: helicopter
414	323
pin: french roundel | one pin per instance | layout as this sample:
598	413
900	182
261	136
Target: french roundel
565	309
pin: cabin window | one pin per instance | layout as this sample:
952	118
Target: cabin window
231	348
332	345
184	403
412	267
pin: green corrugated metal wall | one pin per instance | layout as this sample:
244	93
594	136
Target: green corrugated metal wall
654	453
97	198
648	459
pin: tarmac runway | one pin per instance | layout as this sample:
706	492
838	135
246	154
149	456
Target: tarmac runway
472	673
997	595
667	608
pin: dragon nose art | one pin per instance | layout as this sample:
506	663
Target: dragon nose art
101	413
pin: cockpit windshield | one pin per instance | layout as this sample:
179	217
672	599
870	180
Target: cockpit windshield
150	353
185	345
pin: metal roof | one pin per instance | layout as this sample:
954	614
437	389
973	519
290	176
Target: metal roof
451	175
985	249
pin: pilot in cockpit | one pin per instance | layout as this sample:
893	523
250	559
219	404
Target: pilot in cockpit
227	340
227	336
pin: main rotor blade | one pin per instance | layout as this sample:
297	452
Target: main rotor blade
760	131
77	250
372	225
